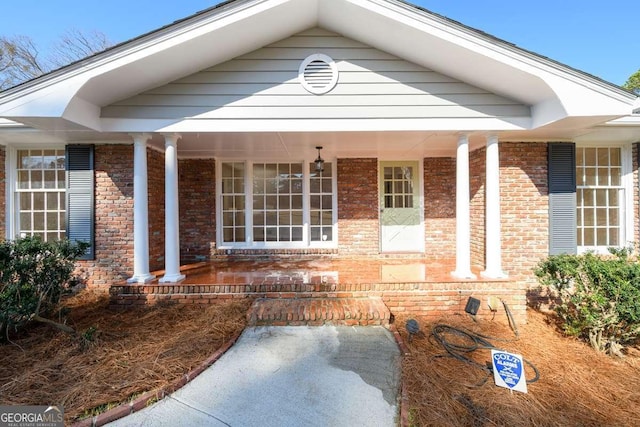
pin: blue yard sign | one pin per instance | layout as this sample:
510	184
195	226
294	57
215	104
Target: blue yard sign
508	370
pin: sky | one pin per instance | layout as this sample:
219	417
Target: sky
594	36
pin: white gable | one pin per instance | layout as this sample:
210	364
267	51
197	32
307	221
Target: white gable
264	85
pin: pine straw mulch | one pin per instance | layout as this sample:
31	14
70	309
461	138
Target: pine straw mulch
129	352
577	386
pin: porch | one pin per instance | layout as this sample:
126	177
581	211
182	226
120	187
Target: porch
355	291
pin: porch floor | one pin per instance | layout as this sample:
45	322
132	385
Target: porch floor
319	272
314	291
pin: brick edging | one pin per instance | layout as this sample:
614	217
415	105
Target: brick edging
142	401
404	398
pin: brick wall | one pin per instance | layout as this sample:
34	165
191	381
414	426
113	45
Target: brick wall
440	207
3	189
197	183
155	183
477	181
358	217
524	208
114	216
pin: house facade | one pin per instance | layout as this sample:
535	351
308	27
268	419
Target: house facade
342	128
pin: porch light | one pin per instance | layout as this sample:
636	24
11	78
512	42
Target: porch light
319	162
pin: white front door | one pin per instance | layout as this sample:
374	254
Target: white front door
401	216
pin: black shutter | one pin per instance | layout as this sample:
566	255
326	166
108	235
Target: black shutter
562	198
80	196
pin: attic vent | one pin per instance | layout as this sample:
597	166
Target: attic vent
318	74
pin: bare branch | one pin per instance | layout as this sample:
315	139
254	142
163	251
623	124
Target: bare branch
75	45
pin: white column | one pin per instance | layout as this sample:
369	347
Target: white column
493	268
140	211
171	222
463	220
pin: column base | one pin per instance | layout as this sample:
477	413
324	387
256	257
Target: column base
172	278
463	275
141	278
493	274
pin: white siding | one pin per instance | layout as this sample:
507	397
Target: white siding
264	85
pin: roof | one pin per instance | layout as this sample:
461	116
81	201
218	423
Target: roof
70	98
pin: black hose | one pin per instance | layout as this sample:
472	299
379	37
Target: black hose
470	343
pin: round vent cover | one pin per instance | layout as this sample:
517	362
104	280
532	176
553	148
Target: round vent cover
318	73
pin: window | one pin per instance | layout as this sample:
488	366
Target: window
233	202
398	187
600	197
276	204
40	193
321	203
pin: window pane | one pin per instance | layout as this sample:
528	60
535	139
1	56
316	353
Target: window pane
615	157
25	201
38	221
589	236
38	201
52	201
296	234
603	176
614	237
616	176
284	218
590	176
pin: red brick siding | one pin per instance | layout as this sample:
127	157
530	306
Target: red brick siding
114	216
155	183
358	212
440	207
197	183
3	191
477	181
524	208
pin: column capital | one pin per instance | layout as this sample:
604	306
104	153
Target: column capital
171	138
491	137
141	138
463	137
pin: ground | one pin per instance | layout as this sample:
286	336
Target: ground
577	386
125	353
119	354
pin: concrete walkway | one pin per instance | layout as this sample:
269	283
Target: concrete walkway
290	376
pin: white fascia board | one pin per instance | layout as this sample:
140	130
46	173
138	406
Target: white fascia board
317	125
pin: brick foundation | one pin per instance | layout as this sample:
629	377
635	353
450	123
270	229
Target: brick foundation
431	300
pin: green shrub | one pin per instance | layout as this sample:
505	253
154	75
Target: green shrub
599	296
33	276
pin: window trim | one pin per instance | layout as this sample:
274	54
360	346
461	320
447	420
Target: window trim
249	243
627	229
11	174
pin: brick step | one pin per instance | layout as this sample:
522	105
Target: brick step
367	311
